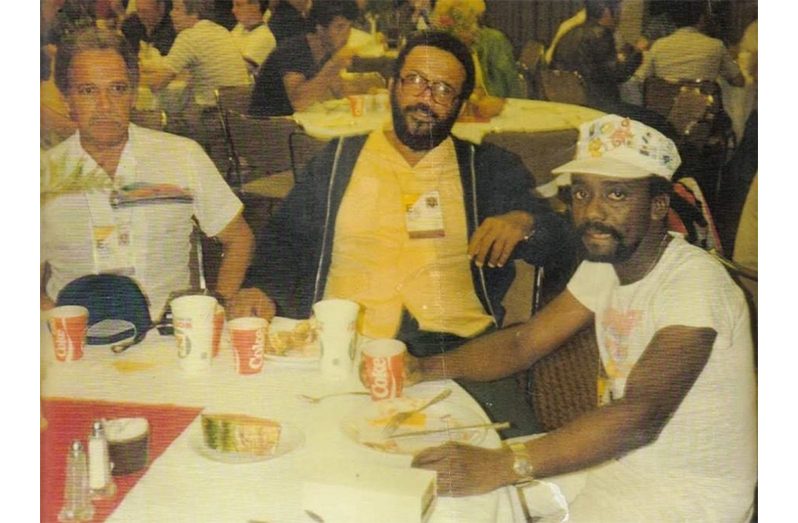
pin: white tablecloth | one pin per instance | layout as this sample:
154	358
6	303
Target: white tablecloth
334	119
181	485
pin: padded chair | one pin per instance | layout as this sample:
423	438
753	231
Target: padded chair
704	132
303	148
231	98
149	118
530	61
261	154
567	87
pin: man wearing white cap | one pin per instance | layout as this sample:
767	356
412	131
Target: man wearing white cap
674	435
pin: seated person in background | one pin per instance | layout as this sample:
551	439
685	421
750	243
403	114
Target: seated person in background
306	69
747	55
81	232
290	18
252	36
674	437
417	226
589	49
687	53
203	48
152	24
578	19
497	73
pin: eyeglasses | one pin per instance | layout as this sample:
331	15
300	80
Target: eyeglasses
92	91
414	84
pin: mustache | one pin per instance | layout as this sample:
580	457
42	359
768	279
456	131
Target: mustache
600	228
423	108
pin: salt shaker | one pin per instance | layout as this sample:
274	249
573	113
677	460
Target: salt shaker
77	505
101	484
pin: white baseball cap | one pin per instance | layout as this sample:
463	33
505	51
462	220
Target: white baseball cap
622	148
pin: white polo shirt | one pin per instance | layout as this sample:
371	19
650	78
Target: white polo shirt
158	256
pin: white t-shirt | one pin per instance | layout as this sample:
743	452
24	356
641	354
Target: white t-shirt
158	256
210	54
702	467
255	45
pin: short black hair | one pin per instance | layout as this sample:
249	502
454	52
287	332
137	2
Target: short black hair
324	11
595	8
445	42
204	9
92	39
685	13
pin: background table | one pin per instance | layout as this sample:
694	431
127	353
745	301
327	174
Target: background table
181	485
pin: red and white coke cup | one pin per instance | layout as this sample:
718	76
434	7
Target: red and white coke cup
68	326
218	326
384	364
248	338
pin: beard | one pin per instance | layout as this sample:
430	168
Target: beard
421	136
623	250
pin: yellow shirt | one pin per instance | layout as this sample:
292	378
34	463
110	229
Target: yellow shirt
376	263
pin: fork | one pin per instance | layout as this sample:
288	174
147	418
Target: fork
398	418
316	399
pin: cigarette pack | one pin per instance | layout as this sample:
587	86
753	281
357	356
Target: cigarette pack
362	493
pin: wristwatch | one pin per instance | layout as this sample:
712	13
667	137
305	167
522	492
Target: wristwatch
521	465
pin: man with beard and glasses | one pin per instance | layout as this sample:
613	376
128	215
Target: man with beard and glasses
84	228
417	226
674	435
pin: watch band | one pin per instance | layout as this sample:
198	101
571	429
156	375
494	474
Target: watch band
521	464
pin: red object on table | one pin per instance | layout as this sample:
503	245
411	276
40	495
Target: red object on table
68	420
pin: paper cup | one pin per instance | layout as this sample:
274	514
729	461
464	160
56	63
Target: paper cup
218	327
357	103
384	363
193	318
248	337
335	324
68	326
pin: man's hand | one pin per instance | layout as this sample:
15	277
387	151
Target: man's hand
412	371
497	236
465	470
251	302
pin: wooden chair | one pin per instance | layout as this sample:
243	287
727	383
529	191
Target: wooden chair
566	87
530	61
149	118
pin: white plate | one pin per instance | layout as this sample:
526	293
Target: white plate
306	355
291	438
358	425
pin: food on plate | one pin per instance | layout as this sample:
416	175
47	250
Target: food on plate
240	433
389	408
301	335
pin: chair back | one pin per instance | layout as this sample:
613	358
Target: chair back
261	151
691	106
530	61
149	118
566	87
232	98
303	148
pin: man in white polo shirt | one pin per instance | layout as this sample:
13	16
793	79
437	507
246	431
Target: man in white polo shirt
91	223
674	435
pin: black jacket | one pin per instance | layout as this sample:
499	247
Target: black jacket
294	251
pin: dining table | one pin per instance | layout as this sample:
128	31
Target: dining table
181	482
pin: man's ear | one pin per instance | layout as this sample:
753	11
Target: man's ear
660	205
